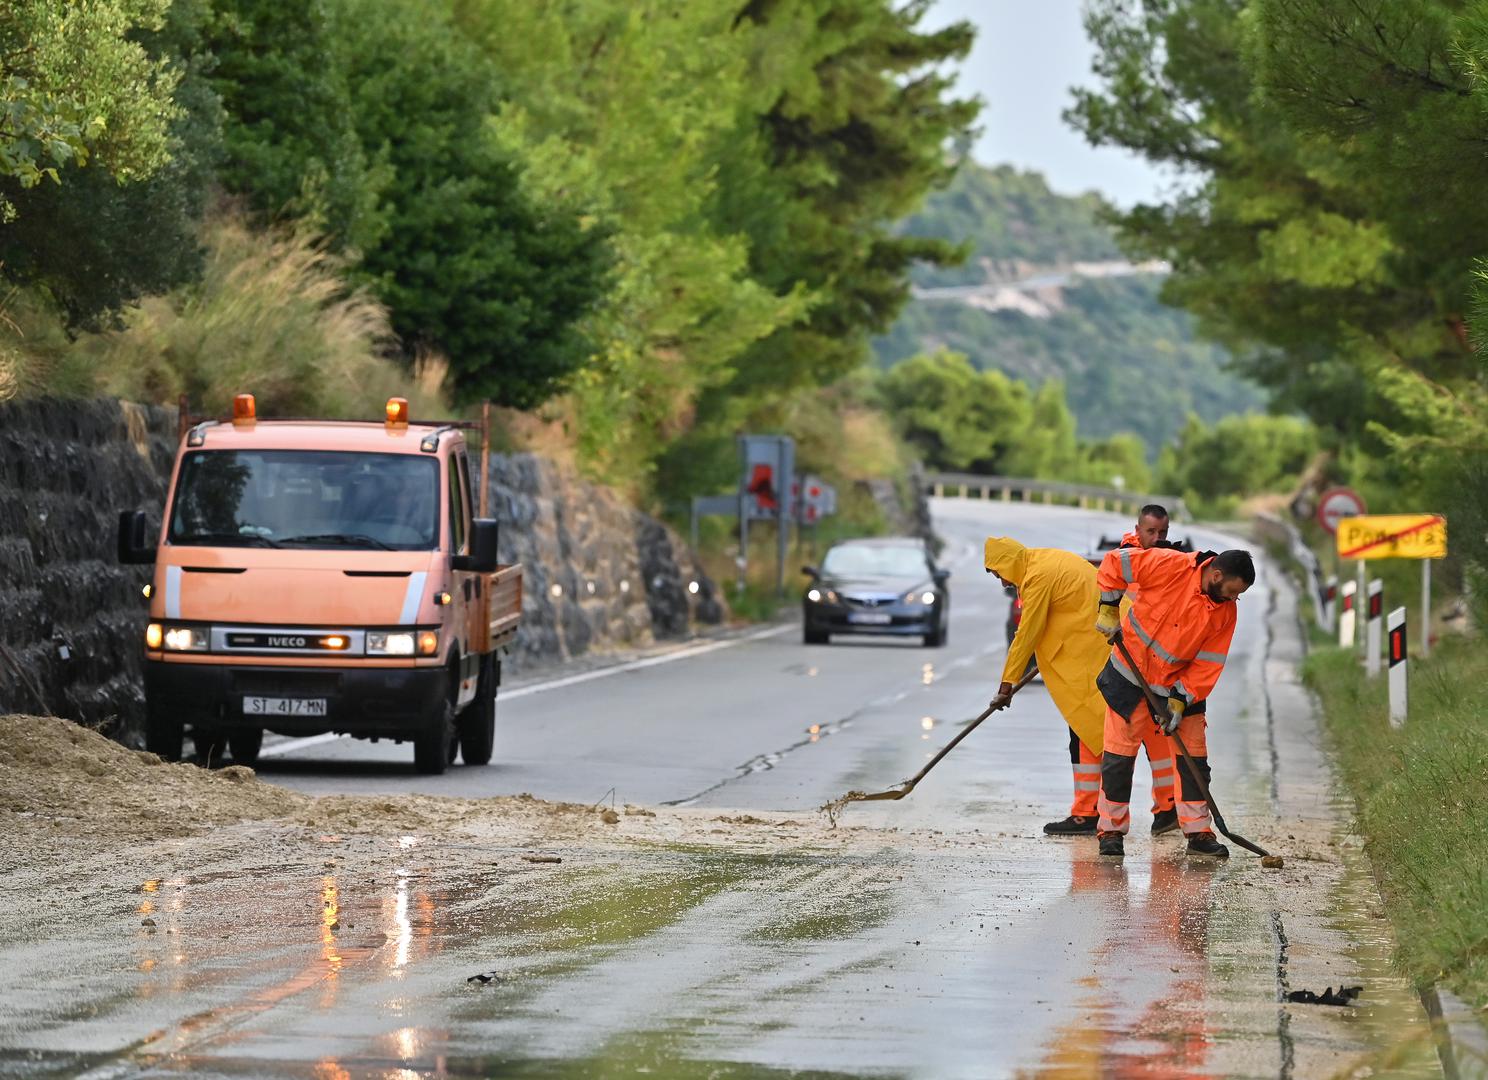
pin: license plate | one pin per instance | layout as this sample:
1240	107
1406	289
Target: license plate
283	706
871	619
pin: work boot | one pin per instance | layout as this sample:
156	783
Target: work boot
1071	826
1204	844
1164	821
1111	844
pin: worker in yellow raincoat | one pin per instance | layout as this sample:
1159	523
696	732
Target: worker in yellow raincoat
1059	599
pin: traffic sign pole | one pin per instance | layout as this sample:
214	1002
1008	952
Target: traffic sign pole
1425	607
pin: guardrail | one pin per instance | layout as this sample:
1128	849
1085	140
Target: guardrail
1052	492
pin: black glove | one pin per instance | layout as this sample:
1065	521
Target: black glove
1003	697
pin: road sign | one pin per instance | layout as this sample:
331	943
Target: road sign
1337	504
1393	536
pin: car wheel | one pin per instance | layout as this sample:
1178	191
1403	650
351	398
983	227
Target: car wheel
162	736
434	746
478	719
245	746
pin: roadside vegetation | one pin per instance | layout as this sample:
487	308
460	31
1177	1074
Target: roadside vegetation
1331	234
1421	802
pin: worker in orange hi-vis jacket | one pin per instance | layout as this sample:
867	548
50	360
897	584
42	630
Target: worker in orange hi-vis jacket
1058	591
1178	631
1152	531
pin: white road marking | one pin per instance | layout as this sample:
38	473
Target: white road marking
289	746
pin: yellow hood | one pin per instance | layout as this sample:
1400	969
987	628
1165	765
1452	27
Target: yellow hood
1006	558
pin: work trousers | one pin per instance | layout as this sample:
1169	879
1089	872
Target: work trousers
1087	766
1120	759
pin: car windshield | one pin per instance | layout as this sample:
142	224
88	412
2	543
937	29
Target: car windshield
870	560
306	498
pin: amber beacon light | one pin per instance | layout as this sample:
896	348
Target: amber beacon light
397	412
245	411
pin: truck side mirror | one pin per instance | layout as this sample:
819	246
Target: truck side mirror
482	557
134	546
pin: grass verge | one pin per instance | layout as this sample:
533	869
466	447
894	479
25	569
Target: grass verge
1422	795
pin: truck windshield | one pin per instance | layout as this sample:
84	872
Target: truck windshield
306	498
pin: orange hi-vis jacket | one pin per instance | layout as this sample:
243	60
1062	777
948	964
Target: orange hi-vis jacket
1179	637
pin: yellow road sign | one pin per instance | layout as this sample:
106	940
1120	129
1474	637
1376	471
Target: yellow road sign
1393	536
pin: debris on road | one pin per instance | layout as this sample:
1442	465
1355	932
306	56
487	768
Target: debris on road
542	858
1272	862
609	817
1345	996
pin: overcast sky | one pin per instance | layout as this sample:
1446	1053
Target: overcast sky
1028	54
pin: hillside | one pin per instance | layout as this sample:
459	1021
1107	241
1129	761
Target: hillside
1129	362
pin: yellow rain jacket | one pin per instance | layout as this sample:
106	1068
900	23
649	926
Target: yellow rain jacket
1058	629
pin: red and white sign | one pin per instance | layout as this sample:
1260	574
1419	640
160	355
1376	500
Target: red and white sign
1337	504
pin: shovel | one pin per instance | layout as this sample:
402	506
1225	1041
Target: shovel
907	786
1157	709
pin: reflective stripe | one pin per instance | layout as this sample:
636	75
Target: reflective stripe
1112	596
1179	690
1150	641
1087	785
1131	677
1163	763
1088	770
1126	571
172	592
1166	780
1212	657
1194	817
412	598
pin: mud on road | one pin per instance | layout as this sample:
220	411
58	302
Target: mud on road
165	918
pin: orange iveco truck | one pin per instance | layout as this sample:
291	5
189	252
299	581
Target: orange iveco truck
324	575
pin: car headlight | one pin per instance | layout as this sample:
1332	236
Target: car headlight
915	596
814	595
927	597
177	638
821	596
380	643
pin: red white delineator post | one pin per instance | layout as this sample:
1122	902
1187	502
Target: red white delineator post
1374	618
1398	695
1330	604
1346	614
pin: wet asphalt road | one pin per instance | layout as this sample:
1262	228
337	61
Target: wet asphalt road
976	947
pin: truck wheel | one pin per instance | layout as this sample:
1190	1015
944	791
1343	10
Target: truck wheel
245	746
162	736
433	748
478	719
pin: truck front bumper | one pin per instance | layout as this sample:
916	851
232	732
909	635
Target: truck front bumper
392	702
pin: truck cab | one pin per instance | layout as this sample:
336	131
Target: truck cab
321	575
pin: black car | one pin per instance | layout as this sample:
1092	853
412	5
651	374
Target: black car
887	586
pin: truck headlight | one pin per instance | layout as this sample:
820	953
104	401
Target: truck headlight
181	638
386	644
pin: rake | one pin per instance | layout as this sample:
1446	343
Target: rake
1157	710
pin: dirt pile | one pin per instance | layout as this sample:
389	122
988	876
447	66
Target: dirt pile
63	786
73	779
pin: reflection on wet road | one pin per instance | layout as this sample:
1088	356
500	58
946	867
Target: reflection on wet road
737	934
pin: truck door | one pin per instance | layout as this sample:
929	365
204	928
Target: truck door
464	602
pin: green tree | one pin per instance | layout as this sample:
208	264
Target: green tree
470	263
853	129
75	88
1238	456
957	418
93	245
291	136
623	109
